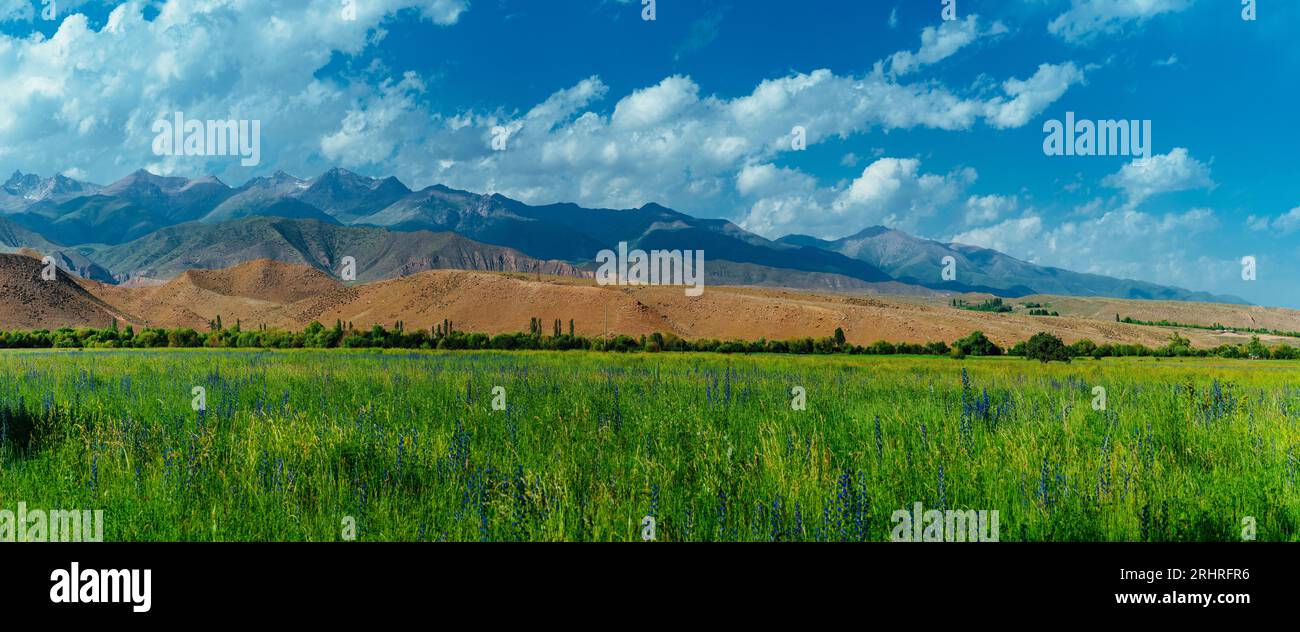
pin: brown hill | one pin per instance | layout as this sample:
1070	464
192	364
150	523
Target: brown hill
27	301
255	292
263	279
288	296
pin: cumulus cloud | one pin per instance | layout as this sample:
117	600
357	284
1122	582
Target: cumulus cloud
939	43
1021	237
1105	244
893	192
1284	224
890	191
784	200
672	136
982	209
1174	171
1030	96
85	99
1086	19
673	143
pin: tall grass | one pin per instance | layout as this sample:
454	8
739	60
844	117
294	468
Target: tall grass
408	444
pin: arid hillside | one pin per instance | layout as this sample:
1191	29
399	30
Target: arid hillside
29	301
266	292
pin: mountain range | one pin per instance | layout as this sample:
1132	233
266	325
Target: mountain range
147	229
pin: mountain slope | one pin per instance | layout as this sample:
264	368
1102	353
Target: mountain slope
379	254
132	207
23	189
144	226
347	196
919	261
273	196
15	238
573	233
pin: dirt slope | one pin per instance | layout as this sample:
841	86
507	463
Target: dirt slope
283	295
28	301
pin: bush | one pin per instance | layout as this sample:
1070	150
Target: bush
976	344
1045	348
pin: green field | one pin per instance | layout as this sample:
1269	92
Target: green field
409	445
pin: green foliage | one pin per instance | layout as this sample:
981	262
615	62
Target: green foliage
994	305
1215	327
1045	348
1083	348
445	336
976	344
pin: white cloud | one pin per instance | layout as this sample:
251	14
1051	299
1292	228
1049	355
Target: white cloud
982	209
1106	244
674	144
15	10
939	43
648	107
893	192
444	12
890	191
1284	224
784	200
1032	95
1019	237
1174	171
1087	19
85	99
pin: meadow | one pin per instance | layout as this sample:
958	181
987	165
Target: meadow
408	444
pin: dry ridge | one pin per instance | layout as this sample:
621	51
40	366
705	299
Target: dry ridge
289	296
28	301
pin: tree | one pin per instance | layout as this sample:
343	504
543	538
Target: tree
976	344
1285	352
1178	346
1045	348
839	337
1256	349
1083	348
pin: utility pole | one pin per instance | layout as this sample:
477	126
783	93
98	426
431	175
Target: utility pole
606	334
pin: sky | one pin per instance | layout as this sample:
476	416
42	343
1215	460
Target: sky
820	117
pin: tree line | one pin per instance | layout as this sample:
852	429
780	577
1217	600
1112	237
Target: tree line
1042	346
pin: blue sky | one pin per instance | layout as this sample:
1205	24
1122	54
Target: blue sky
931	126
